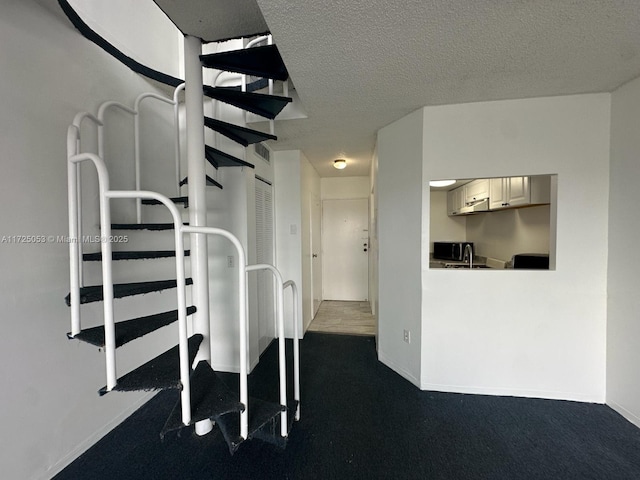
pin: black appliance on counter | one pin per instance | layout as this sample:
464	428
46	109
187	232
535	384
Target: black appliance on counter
530	261
452	251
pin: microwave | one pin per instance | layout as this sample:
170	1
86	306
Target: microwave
453	251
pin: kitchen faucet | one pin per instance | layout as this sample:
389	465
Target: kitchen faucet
468	254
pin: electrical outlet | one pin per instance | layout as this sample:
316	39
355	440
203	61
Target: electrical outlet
230	261
407	336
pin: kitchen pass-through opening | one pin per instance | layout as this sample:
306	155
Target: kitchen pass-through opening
500	223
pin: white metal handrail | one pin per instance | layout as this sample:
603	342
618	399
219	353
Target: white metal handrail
281	345
242	317
102	110
296	345
136	139
105	195
176	120
73	147
135	112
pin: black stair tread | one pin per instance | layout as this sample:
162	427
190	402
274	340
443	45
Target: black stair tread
218	158
261	413
143	226
268	106
210	182
160	373
128	330
242	135
93	293
210	397
270	431
133	255
264	61
153	201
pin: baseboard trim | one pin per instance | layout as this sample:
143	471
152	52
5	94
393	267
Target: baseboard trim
631	417
399	370
92	439
512	392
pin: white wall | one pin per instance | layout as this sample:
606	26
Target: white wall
400	200
287	170
139	29
50	409
541	333
623	328
309	189
504	233
443	228
344	187
373	235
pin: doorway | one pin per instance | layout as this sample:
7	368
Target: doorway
345	243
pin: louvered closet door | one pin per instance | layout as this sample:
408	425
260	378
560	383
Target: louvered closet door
264	247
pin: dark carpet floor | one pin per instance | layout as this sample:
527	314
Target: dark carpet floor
360	420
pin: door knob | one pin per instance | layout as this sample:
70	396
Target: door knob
365	249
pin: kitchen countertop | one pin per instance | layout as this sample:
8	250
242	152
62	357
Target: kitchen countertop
479	262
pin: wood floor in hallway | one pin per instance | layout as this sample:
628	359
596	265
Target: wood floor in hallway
352	318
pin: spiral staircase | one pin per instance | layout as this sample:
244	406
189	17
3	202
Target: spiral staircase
203	394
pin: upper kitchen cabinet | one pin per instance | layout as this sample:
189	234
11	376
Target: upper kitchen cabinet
455	200
515	192
476	190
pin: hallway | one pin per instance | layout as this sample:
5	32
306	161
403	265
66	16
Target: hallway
351	318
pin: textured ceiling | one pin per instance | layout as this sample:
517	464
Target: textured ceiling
359	65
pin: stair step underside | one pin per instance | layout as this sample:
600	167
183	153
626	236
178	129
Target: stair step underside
210	397
128	330
242	135
270	431
160	373
133	255
264	61
261	413
210	182
268	106
93	293
218	158
153	201
143	226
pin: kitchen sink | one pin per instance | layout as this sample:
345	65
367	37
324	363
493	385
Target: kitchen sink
464	266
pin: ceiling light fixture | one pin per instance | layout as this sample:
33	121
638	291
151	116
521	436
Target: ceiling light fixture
441	183
340	163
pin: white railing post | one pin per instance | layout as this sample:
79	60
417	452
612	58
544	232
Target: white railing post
176	119
73	205
272	127
243	322
107	276
185	367
282	367
101	114
296	346
74	195
136	140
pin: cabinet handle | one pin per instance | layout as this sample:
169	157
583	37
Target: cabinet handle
505	204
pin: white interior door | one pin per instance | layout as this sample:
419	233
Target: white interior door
345	245
316	255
